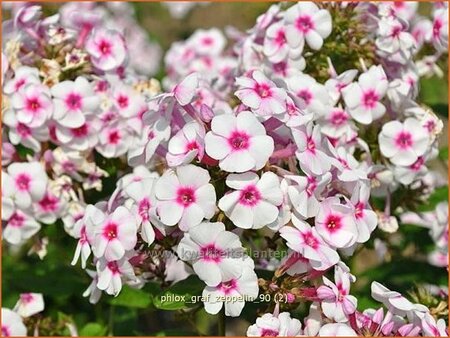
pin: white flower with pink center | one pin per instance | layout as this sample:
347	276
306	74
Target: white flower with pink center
304	193
393	37
269	325
80	138
73	100
33	105
106	48
239	142
306	22
114	140
142	194
363	98
335	223
339	82
305	240
12	324
23	76
21	133
440	29
28	183
186	145
111	273
313	94
20	227
209	42
403	143
216	255
49	208
232	293
260	94
185	196
276	47
113	235
337	303
29	304
254	202
365	218
337	123
309	150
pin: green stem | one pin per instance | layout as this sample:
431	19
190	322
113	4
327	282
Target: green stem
111	321
221	323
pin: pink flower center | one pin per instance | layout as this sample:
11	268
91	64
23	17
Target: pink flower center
81	131
26	298
186	196
73	101
207	41
430	125
418	164
359	210
113	267
104	47
269	333
437	26
211	253
370	98
110	231
114	137
83	235
305	95
33	104
19	83
333	222
49	203
263	90
193	145
310	240
338	117
239	140
312	186
228	287
23	182
16	220
310	145
23	130
304	23
5	331
396	31
280	39
250	196
404	140
122	101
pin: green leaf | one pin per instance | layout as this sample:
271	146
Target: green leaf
179	295
439	195
443	154
134	298
93	329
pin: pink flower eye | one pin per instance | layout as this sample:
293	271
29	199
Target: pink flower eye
49	203
310	240
113	267
305	95
73	101
122	101
250	196
26	298
80	131
186	196
114	137
23	130
5	331
23	182
263	90
404	140
16	220
333	223
211	253
304	24
104	47
227	287
370	98
239	140
110	231
33	104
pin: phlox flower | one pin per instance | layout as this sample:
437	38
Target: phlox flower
276	47
335	223
209	42
304	193
305	240
254	201
336	330
363	98
309	154
81	138
114	140
33	105
49	208
29	304
440	29
186	145
112	235
306	22
336	123
365	218
243	288
72	101
337	303
111	273
20	226
433	328
185	196
339	82
260	94
393	300
26	182
403	143
106	48
23	76
12	324
393	37
216	255
93	292
239	142
269	325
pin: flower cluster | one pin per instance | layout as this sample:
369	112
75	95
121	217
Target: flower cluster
247	141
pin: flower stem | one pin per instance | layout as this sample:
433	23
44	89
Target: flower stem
221	323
